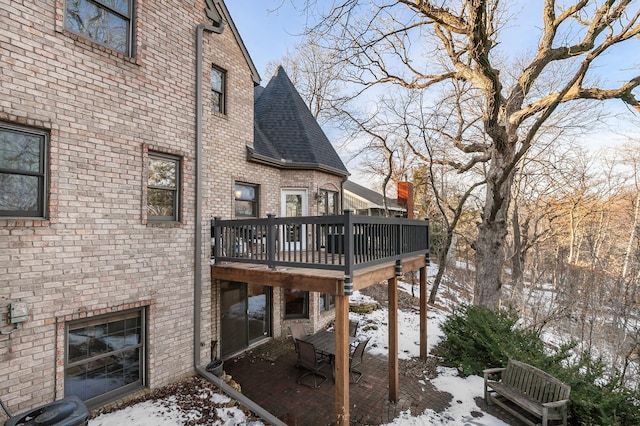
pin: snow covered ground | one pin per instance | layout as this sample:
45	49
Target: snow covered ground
465	390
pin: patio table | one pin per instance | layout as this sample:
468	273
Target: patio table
325	342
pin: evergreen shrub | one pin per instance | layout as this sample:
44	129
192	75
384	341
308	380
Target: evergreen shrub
476	338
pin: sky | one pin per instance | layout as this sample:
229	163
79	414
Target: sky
269	27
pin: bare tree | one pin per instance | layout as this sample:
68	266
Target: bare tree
314	72
420	45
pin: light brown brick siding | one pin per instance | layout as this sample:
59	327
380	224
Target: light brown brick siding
96	252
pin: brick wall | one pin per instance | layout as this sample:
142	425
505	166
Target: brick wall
95	252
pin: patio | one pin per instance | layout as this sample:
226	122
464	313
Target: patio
267	375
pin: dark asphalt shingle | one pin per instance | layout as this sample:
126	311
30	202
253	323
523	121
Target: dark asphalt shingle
284	128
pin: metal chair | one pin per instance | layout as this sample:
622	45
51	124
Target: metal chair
355	359
297	333
353	327
308	359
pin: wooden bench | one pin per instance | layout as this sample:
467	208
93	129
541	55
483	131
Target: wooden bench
540	394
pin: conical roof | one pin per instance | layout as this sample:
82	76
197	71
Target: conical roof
286	131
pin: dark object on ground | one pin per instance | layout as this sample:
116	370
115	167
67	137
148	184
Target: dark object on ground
70	411
215	367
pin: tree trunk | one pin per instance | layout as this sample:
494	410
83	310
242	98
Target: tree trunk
492	230
442	265
517	261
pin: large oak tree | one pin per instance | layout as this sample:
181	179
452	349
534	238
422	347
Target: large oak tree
425	45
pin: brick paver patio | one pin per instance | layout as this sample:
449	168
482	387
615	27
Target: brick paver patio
268	376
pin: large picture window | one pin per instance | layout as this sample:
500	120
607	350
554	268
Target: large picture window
23	171
246	200
163	195
105	356
218	92
108	22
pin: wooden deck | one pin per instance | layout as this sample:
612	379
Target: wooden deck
319	280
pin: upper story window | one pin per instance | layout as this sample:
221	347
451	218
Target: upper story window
328	203
108	22
23	171
218	89
246	200
163	195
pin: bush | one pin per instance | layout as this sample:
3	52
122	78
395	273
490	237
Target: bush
476	338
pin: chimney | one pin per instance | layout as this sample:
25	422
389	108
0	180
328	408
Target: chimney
405	197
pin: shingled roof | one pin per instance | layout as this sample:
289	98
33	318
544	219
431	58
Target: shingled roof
286	134
375	199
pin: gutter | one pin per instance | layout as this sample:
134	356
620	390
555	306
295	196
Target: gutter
293	165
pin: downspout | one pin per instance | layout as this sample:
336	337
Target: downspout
197	287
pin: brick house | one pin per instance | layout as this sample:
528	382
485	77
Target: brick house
125	129
292	170
98	172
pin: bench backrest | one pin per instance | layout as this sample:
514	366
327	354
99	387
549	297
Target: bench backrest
534	382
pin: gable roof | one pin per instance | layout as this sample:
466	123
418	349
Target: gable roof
286	134
374	199
211	11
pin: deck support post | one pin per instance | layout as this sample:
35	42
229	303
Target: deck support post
341	328
393	339
423	312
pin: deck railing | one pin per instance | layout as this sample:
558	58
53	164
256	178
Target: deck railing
344	242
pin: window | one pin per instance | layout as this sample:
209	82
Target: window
296	304
108	22
246	200
218	83
328	203
327	302
105	356
163	197
23	167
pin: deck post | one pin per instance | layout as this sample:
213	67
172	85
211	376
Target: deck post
393	339
271	241
423	312
342	360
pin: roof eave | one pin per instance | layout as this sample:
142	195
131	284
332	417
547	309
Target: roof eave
292	165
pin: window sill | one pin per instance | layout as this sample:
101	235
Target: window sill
164	224
22	222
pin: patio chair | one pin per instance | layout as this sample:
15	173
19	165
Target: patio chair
297	333
353	327
355	359
308	359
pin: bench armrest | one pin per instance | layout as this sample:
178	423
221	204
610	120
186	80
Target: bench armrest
489	371
555	404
